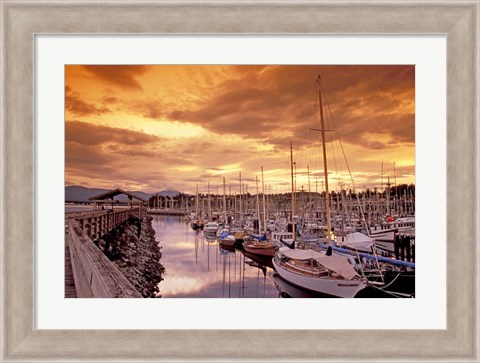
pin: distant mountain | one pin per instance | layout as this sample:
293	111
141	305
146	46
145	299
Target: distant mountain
81	194
169	193
76	193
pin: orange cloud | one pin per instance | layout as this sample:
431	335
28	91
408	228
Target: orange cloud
77	106
123	76
89	134
187	121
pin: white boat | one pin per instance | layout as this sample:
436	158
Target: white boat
312	232
210	228
384	235
332	275
357	241
277	237
404	225
384	246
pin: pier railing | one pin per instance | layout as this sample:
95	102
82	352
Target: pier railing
98	222
94	274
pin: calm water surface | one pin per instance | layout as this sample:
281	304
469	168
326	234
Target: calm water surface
196	267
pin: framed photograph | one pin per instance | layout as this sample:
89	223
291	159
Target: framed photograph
52	43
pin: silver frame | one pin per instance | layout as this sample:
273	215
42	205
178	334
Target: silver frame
21	20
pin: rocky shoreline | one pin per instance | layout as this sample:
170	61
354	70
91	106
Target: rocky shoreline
133	248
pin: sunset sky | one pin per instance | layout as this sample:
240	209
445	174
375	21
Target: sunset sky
151	128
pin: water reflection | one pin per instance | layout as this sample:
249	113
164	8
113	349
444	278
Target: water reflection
199	267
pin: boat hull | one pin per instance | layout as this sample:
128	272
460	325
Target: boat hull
258	250
384	246
210	232
383	233
227	242
331	287
196	225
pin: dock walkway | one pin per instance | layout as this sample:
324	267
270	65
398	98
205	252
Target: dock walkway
70	290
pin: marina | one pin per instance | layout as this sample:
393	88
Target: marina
198	267
199	264
322	206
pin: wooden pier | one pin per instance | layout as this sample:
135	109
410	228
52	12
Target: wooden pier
70	290
98	222
88	272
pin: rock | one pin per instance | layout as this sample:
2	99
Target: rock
138	257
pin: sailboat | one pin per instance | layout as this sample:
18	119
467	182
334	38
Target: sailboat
322	272
258	244
210	228
196	222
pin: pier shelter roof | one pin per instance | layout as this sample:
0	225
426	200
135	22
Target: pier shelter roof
113	193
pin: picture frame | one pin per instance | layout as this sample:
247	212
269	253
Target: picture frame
21	21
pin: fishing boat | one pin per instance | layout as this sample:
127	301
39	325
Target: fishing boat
325	272
384	235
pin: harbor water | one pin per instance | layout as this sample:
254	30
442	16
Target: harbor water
198	268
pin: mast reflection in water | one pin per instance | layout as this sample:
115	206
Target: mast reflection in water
196	267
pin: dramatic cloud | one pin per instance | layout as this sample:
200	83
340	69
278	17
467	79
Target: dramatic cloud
187	125
90	134
285	99
123	76
78	107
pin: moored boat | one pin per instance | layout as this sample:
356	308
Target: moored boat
265	248
278	237
318	272
315	271
226	239
196	224
210	228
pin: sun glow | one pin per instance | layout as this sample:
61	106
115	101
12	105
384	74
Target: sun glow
152	126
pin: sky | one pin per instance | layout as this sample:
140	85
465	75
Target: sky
157	127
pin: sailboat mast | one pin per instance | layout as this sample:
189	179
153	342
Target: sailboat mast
293	191
209	204
309	192
258	206
395	200
240	197
224	203
196	204
325	170
264	214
